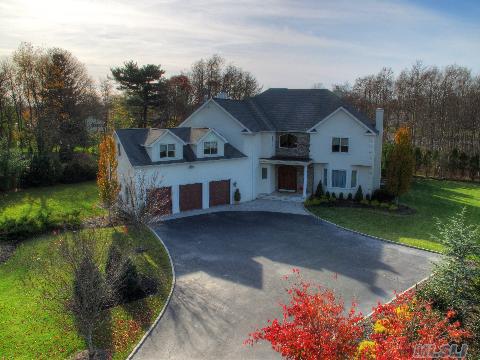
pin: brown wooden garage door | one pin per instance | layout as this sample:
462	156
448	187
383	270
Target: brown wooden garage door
219	192
190	197
161	200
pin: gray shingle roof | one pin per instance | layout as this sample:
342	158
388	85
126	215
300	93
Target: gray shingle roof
133	139
189	135
288	109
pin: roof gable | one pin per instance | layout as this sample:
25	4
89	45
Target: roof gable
348	113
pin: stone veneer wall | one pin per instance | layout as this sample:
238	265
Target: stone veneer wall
303	146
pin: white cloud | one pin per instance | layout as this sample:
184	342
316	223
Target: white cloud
284	43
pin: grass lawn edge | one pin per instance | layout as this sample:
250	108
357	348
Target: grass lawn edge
369	235
160	315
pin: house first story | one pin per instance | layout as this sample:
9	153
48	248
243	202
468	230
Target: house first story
301	177
201	185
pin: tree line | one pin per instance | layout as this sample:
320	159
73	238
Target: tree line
441	107
47	98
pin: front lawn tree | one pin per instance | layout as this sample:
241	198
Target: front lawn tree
144	86
107	181
401	163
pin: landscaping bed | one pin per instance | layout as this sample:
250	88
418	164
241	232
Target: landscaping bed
42	331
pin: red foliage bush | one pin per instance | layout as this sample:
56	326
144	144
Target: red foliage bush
405	323
314	326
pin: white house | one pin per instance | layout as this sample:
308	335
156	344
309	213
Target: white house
282	140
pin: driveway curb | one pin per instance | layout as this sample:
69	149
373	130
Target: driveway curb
370	236
145	336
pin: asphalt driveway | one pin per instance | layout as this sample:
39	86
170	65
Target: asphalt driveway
229	269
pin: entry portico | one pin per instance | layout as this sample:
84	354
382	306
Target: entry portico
292	174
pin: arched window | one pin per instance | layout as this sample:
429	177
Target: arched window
288	141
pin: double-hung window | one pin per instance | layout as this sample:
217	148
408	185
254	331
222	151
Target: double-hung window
353	180
167	151
325	177
339	178
340	144
264	173
210	148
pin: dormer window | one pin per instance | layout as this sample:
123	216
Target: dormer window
210	148
288	141
167	151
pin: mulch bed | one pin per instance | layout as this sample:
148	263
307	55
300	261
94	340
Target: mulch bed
402	209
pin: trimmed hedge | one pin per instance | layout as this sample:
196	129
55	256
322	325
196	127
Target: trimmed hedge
24	227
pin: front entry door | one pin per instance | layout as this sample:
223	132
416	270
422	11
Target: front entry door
287	178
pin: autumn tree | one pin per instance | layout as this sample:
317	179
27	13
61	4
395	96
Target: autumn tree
401	163
144	86
107	181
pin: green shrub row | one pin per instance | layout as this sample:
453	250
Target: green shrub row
17	229
48	170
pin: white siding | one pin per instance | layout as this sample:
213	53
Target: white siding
359	157
237	170
214	117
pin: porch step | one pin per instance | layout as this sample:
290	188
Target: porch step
282	197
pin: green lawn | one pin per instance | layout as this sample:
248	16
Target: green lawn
430	198
58	199
31	331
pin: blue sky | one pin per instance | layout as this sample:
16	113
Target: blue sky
283	43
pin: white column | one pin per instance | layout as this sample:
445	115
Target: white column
175	199
205	195
304	181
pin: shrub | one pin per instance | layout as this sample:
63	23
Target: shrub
367	197
384	205
456	280
393	207
398	327
327	195
349	197
319	190
236	195
375	203
24	227
314	202
358	194
123	278
334	196
315	325
82	167
382	195
42	170
364	202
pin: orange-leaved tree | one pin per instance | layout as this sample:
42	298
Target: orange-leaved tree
107	180
401	163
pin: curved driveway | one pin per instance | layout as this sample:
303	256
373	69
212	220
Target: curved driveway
229	268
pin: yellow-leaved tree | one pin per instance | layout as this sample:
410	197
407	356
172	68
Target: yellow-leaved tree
107	181
401	163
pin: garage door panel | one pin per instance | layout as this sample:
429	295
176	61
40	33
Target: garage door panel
190	197
160	200
219	192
